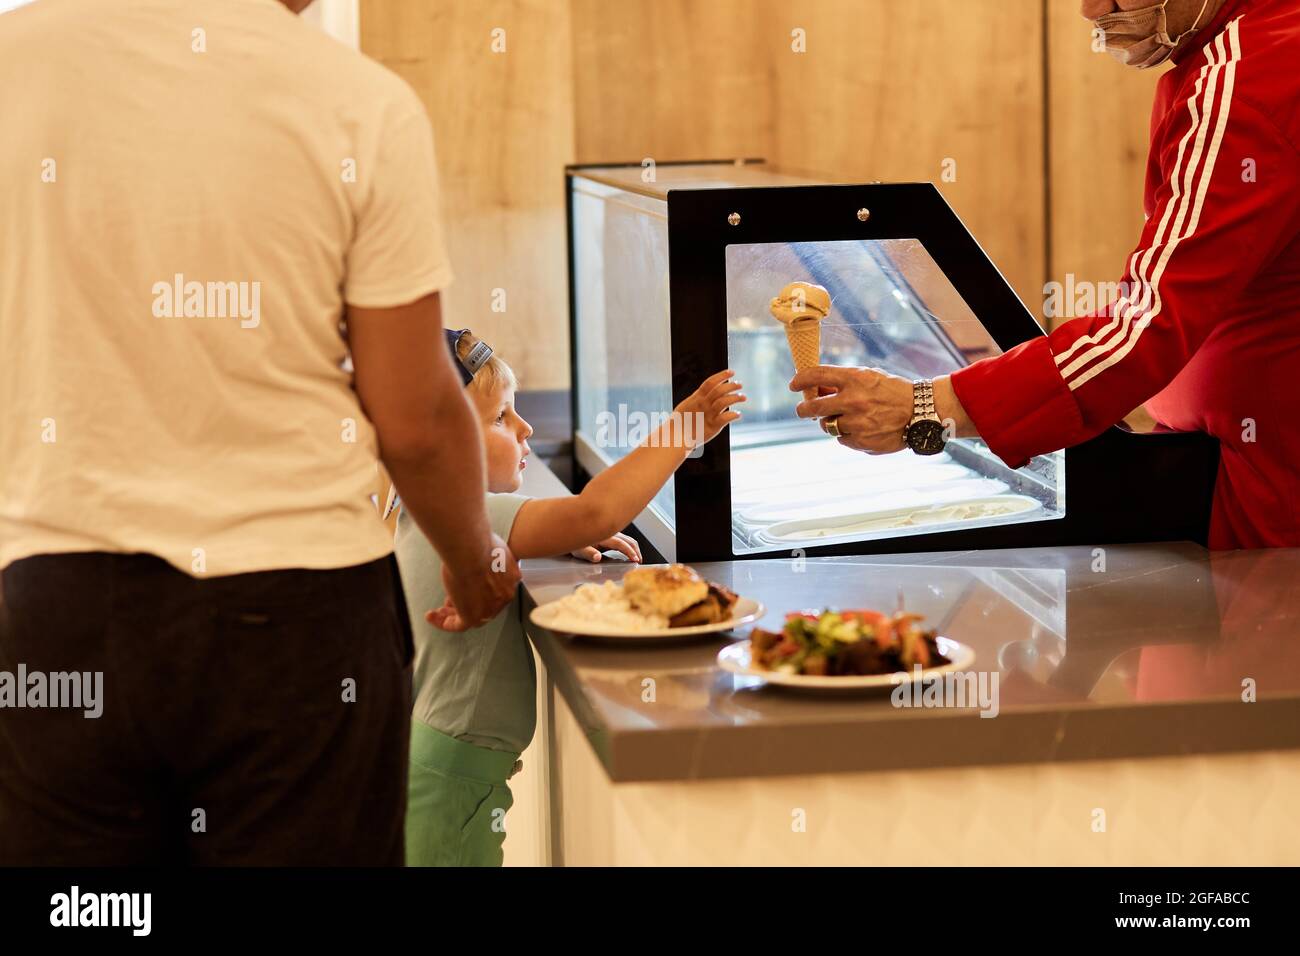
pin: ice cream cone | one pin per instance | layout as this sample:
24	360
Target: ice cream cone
801	307
805	341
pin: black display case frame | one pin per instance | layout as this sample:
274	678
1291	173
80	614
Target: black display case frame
1121	486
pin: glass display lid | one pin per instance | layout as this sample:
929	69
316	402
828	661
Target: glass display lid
892	308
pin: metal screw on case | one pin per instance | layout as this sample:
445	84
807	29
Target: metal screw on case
864	214
734	219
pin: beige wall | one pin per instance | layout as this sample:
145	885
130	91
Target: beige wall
886	89
504	130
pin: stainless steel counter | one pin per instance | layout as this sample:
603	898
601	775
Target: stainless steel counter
1127	651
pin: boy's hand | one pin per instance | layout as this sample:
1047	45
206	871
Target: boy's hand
708	410
620	543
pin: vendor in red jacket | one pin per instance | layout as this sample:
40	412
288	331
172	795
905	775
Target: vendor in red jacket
1208	335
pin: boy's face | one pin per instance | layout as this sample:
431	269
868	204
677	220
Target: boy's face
505	438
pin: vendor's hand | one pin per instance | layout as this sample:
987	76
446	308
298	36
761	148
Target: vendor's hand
620	543
873	406
476	596
708	410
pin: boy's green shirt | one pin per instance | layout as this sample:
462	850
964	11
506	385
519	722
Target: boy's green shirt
478	686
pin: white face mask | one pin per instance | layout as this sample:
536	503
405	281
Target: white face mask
1141	37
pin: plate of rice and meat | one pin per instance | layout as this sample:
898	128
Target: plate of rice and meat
655	601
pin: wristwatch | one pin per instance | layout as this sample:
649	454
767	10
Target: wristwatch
924	433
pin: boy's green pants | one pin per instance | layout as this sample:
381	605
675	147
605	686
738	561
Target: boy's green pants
457	800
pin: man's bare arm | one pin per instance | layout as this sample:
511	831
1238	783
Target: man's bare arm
429	441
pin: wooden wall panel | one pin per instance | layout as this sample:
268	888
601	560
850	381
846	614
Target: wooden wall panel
503	127
671	79
894	90
887	89
1101	112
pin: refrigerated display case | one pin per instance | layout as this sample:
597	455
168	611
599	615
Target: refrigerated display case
672	268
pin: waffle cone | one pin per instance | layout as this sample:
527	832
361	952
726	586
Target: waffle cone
805	341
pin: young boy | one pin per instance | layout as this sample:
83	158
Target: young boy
475	703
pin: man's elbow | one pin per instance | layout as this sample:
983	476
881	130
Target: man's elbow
424	430
404	443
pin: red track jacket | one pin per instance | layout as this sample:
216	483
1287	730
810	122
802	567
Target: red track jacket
1208	332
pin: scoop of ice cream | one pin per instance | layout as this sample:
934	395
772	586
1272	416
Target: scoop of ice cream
801	300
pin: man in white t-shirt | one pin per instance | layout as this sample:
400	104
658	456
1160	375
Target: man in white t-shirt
207	209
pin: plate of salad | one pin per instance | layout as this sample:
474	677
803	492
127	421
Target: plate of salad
845	650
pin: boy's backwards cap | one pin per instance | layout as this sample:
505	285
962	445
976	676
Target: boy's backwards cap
476	359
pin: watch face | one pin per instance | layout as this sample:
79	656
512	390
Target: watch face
925	437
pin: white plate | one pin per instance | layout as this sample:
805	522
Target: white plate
737	659
746	611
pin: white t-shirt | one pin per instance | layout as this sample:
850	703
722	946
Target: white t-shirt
188	194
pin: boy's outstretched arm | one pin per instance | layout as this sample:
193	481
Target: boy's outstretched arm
550	526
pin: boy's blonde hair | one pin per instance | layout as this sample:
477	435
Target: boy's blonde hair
493	375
